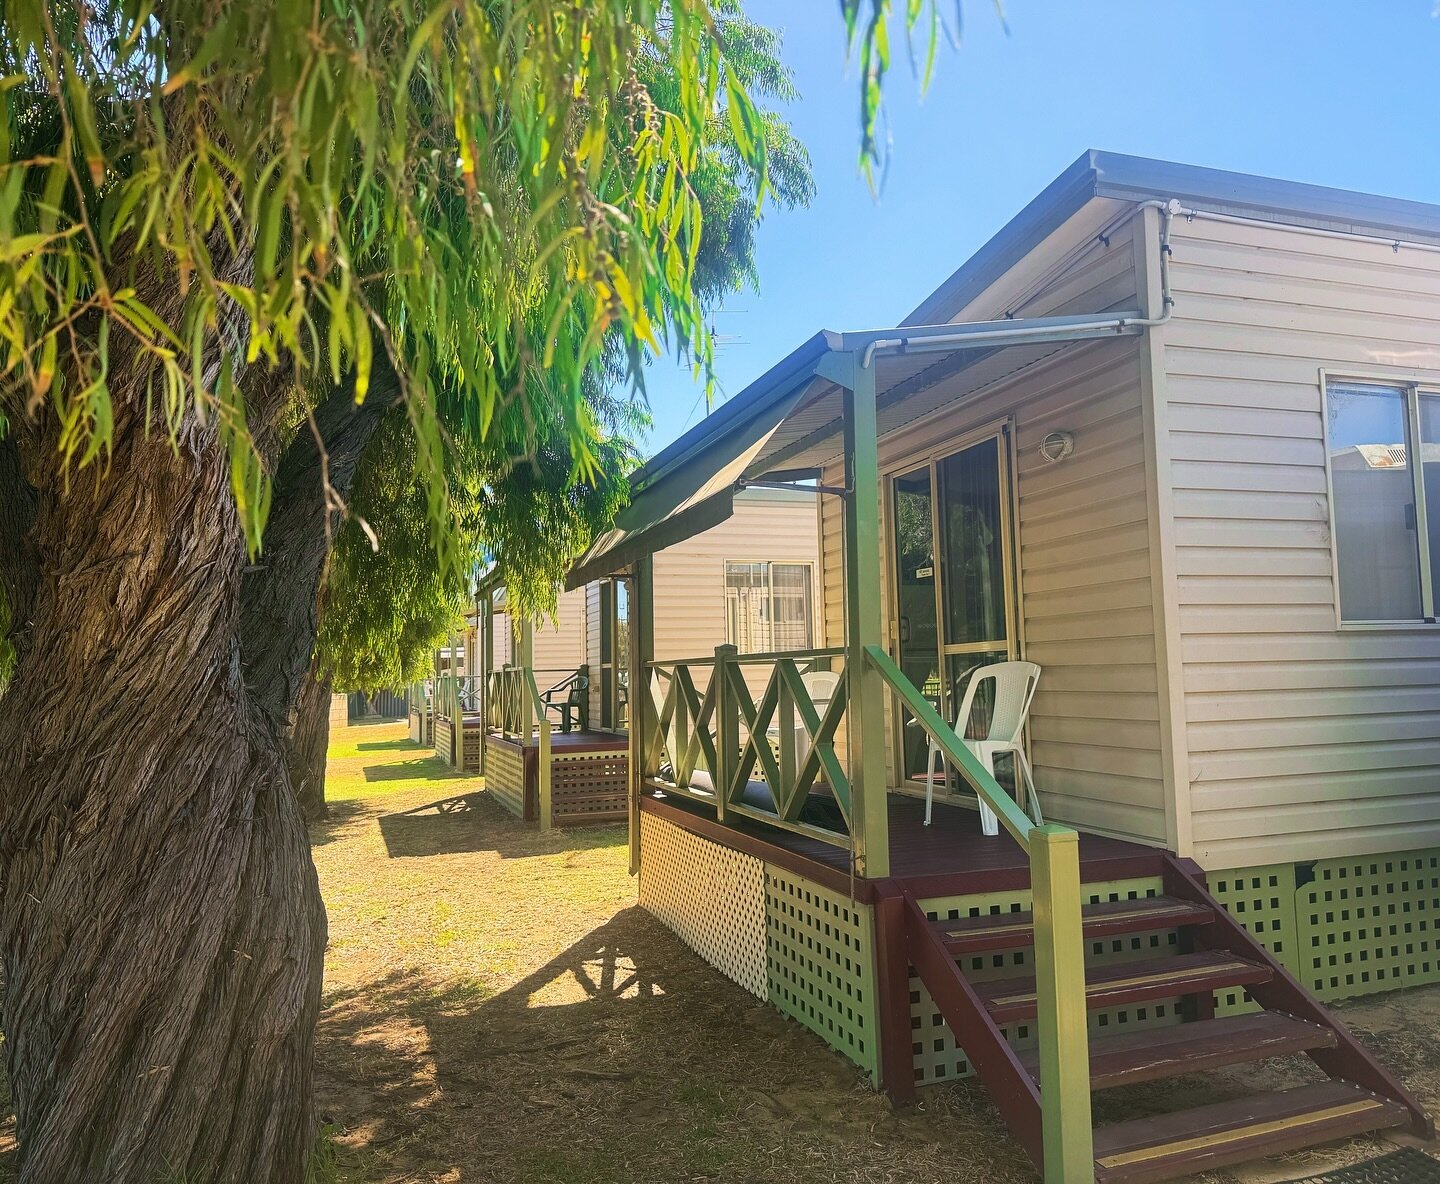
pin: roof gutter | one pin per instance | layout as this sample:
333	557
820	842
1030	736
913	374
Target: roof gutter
1119	324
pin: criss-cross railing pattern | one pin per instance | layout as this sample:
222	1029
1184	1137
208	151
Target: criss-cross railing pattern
769	757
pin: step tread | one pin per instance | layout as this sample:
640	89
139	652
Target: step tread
1149	1054
997	931
1141	1150
1117	983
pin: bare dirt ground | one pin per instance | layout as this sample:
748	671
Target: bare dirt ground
498	1010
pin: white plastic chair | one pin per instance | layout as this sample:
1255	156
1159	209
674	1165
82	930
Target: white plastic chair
1015	684
820	686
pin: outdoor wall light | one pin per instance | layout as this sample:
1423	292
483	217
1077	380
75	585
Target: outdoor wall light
1057	446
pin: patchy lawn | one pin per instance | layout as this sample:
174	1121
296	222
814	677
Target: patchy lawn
498	1011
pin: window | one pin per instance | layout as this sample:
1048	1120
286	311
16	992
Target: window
614	655
1385	506
767	606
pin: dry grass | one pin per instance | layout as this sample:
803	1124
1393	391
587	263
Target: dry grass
498	1010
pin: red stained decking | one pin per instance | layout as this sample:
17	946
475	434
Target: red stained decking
575	741
949	857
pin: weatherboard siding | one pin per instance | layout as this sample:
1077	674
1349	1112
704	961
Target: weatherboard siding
1086	599
1303	740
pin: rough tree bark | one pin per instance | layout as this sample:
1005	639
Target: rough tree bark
161	928
307	742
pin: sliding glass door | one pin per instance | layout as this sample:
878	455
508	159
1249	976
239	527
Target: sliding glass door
953	604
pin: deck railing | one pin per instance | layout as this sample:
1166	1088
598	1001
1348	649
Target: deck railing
710	739
1054	853
455	695
515	710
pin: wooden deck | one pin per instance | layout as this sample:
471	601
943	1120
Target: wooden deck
589	776
574	741
951	857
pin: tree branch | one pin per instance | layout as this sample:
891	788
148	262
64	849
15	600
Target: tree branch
278	608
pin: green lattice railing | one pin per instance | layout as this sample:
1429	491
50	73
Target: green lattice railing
711	739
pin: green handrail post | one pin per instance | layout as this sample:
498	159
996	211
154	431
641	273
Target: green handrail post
864	622
1061	1009
727	729
542	755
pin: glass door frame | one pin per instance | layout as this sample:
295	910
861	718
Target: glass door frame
930	458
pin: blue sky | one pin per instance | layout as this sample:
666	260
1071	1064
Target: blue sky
1340	92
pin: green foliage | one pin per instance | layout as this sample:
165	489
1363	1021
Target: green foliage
867	25
486	191
389	603
536	508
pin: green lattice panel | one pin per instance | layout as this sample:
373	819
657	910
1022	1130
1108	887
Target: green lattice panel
820	954
937	1057
1369	924
1262	899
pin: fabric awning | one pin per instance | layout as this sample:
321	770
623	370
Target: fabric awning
687	499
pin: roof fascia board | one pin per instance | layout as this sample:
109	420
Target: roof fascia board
1136	178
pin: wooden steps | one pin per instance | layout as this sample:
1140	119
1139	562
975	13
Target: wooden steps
1009	931
1118	983
1108	919
1149	1054
1159	1148
1213	952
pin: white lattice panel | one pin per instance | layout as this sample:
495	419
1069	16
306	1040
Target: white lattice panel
712	897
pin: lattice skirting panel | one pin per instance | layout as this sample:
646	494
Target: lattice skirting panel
1343	927
505	776
471	759
589	787
821	954
1369	924
712	897
938	1058
443	734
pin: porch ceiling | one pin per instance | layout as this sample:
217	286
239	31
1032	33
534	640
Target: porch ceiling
790	419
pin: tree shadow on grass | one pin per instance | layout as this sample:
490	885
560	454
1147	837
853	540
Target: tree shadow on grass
390	745
474	822
622	1058
427	768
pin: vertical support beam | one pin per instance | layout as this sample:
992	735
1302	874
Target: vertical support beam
452	707
543	770
525	659
487	657
892	994
864	623
642	652
727	729
1060	1001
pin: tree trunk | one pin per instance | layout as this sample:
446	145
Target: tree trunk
308	741
161	928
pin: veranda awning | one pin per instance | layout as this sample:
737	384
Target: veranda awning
791	419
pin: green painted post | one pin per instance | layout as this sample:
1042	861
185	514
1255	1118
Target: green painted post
864	625
642	652
525	659
727	728
1060	1001
487	655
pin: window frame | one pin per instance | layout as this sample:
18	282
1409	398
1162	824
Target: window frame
1411	387
769	564
610	668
